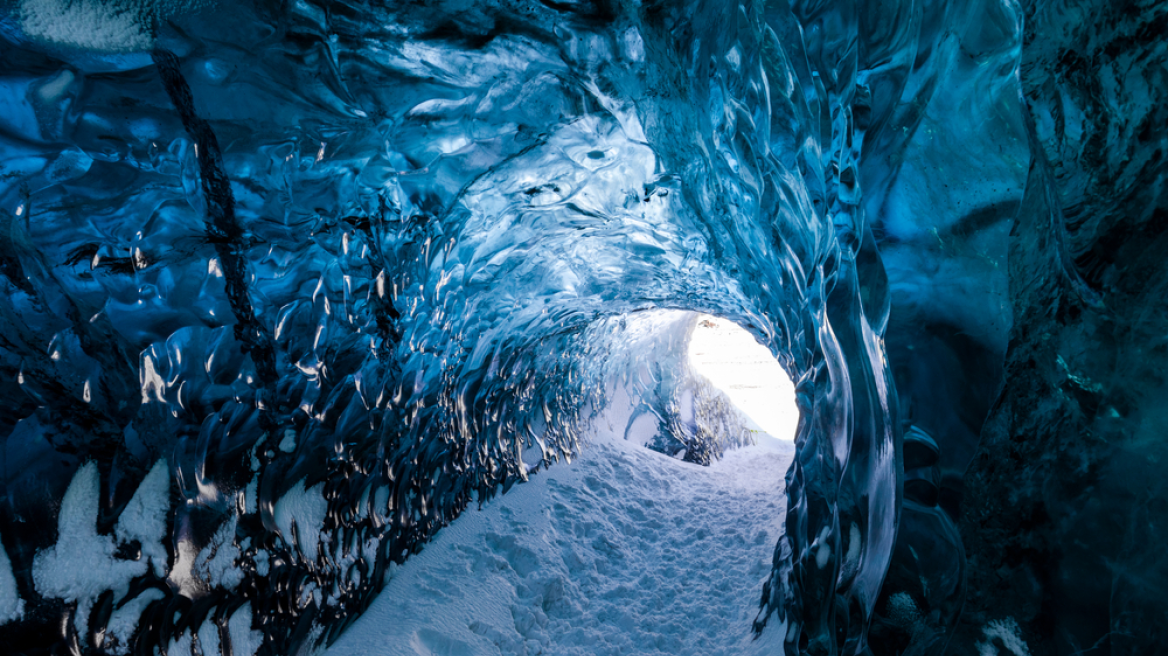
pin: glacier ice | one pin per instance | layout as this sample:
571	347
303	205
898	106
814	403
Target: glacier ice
1067	493
288	286
344	280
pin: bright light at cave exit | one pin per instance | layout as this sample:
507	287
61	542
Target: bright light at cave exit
731	358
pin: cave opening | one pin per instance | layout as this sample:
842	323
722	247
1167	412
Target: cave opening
689	384
755	382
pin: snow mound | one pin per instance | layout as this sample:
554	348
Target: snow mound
624	551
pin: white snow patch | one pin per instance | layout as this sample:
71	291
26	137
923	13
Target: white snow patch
746	371
307	509
215	564
380	501
102	25
182	575
144	518
209	638
251	496
262	563
288	444
181	646
124	621
1008	632
623	551
11	605
903	611
89	24
82	565
244	640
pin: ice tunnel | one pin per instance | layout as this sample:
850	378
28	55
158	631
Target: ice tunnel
289	286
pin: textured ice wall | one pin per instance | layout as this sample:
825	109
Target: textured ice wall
1067	500
1033	143
340	265
943	178
340	269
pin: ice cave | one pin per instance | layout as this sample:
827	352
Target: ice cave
583	327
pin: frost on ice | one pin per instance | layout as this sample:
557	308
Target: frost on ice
83	564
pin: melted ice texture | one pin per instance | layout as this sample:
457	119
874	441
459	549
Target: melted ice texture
347	269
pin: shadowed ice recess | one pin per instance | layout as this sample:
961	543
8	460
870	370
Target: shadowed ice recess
303	302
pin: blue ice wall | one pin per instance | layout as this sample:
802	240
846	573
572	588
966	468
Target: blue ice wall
1021	226
284	287
945	176
1067	501
288	286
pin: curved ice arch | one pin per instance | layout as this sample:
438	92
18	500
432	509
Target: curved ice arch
394	276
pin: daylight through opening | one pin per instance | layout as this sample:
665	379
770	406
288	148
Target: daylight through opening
747	373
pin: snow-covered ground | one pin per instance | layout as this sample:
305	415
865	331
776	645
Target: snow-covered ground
623	551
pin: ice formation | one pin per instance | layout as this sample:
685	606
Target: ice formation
286	287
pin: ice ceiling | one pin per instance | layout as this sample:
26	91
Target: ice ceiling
288	285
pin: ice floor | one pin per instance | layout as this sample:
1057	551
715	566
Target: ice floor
623	551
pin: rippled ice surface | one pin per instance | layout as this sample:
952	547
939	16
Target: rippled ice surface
287	287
